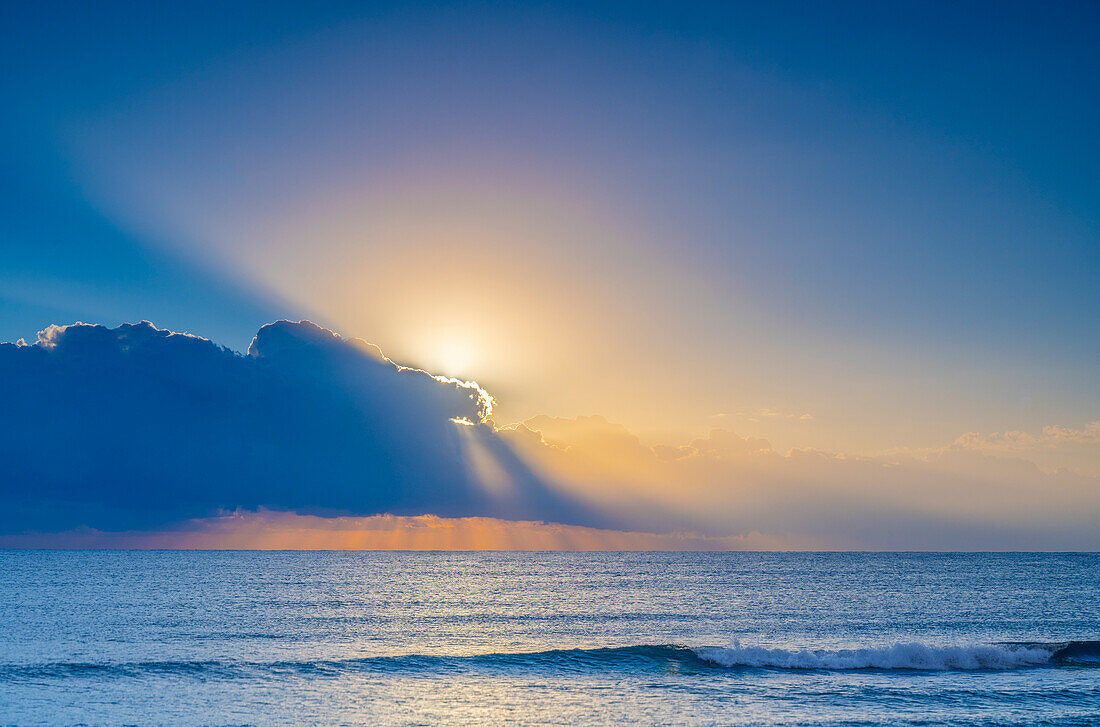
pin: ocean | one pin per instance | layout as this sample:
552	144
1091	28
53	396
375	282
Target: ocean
401	638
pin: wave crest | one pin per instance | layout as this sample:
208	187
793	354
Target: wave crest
898	656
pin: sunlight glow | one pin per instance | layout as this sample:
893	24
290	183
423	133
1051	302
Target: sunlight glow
452	356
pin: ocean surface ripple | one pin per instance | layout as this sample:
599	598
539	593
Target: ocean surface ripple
201	638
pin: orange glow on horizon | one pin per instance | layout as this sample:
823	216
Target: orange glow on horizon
270	530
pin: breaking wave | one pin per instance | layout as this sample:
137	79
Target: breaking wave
629	659
913	656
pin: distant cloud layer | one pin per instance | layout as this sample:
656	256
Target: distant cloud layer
269	530
953	498
137	436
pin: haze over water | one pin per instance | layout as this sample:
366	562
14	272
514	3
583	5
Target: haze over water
198	638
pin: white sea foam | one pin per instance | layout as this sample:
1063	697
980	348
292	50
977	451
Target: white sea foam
898	656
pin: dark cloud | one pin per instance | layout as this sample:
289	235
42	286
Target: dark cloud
135	426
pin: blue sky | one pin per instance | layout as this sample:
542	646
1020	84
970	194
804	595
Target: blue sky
883	215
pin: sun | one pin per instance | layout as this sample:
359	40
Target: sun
452	356
452	349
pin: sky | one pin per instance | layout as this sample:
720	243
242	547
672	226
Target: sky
686	250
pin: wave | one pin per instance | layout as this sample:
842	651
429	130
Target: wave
911	656
631	659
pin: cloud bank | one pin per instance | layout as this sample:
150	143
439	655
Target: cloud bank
953	498
269	530
134	427
140	437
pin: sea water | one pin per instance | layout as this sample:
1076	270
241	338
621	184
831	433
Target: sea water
290	638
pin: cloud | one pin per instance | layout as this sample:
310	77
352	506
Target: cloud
1052	436
1054	447
135	426
140	435
950	498
271	530
757	415
1089	435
